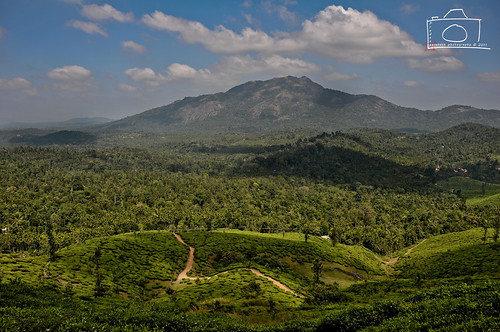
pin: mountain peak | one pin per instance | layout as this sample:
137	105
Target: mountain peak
294	102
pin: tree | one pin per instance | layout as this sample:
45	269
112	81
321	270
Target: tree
497	226
334	236
317	270
51	240
98	288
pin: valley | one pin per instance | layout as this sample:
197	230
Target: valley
277	228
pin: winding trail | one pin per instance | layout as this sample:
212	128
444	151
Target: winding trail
393	261
190	262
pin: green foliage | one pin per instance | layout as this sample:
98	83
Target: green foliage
79	222
317	269
271	252
123	265
452	255
64	137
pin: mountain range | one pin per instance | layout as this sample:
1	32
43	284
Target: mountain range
75	123
291	103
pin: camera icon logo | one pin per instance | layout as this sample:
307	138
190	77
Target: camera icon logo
454	30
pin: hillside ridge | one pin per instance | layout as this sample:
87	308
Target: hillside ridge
290	103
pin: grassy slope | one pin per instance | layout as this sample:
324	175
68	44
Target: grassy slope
472	190
130	264
157	258
453	255
287	259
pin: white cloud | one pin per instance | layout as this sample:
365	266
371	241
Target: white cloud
126	87
249	18
220	40
491	77
146	76
353	36
133	46
407	9
105	12
2	32
338	33
75	78
287	16
88	27
227	71
411	84
177	71
18	83
335	76
437	64
70	73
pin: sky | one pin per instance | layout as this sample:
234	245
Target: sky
64	59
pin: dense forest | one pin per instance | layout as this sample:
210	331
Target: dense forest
374	188
382	190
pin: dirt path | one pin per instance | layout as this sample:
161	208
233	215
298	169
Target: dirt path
274	281
393	261
190	262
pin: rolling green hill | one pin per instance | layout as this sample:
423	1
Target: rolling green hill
476	192
139	290
387	158
453	255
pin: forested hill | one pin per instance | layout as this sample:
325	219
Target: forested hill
291	102
387	158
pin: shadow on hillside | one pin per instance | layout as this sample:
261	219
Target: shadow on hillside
339	165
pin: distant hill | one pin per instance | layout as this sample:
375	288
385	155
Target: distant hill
72	123
63	137
386	158
291	102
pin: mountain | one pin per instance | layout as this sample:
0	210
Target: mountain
72	123
291	102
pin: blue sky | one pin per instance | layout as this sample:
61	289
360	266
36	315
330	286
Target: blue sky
61	59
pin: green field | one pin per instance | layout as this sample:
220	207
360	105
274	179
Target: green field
476	192
453	255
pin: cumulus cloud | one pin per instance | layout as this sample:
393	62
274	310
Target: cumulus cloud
353	36
105	12
338	33
491	77
146	76
220	40
126	87
437	64
74	78
2	32
70	73
133	46
411	84
228	70
88	27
